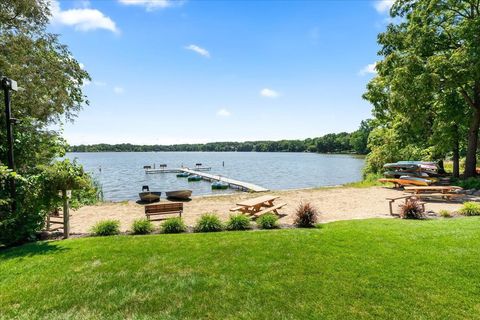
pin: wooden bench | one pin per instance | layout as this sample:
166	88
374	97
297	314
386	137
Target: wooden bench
270	209
236	209
447	196
163	211
407	198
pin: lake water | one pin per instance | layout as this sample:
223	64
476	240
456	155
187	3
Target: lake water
122	176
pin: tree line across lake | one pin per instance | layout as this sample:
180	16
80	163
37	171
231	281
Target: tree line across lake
355	142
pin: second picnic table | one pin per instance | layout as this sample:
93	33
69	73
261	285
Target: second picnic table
258	206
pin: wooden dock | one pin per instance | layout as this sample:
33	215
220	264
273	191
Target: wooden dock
245	186
173	170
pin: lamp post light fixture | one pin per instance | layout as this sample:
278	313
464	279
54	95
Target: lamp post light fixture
8	85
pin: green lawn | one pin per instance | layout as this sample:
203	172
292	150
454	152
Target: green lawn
387	269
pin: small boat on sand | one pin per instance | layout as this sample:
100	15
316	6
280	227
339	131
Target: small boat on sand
218	185
194	178
150	196
179	194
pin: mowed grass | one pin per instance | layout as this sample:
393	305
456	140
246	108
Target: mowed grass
387	269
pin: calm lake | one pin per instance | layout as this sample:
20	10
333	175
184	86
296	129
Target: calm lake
121	174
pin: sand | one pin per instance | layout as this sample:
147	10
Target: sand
333	204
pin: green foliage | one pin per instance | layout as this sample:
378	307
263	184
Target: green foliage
173	225
28	218
470	183
425	94
355	142
411	210
209	222
238	222
306	215
369	180
470	209
142	226
106	228
445	213
267	221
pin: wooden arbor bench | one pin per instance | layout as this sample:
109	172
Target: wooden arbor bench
162	211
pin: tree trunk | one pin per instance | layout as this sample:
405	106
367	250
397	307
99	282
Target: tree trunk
456	159
471	160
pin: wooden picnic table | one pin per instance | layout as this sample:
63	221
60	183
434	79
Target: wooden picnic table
441	189
259	205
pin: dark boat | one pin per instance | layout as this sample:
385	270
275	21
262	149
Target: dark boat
179	194
183	175
194	178
150	196
218	185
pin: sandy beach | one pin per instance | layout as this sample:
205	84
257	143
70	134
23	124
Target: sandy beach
333	204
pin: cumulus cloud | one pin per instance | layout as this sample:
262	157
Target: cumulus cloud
199	50
269	93
81	19
383	6
223	113
368	69
152	4
118	90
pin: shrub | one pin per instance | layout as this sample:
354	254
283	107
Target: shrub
470	183
411	210
142	226
470	209
267	221
106	228
209	222
445	213
238	222
306	215
173	225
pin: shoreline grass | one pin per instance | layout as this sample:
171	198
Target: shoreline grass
375	268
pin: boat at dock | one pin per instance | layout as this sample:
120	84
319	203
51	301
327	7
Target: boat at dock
183	175
179	194
218	185
194	178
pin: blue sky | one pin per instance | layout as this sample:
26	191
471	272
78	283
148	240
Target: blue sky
167	72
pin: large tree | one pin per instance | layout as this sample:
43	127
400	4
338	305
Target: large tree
50	78
429	78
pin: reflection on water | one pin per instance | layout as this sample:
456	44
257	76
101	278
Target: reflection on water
121	174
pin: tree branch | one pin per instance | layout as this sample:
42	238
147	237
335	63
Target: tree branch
468	98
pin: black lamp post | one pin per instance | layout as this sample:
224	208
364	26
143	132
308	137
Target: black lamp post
8	85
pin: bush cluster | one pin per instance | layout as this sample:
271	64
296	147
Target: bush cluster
306	215
445	214
411	210
470	209
106	228
238	222
173	225
209	222
267	221
142	226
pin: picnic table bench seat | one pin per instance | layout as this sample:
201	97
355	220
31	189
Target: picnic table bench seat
270	209
407	198
162	211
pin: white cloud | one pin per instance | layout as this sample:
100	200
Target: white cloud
383	6
152	4
199	50
86	83
82	19
118	90
223	113
269	93
368	69
82	66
